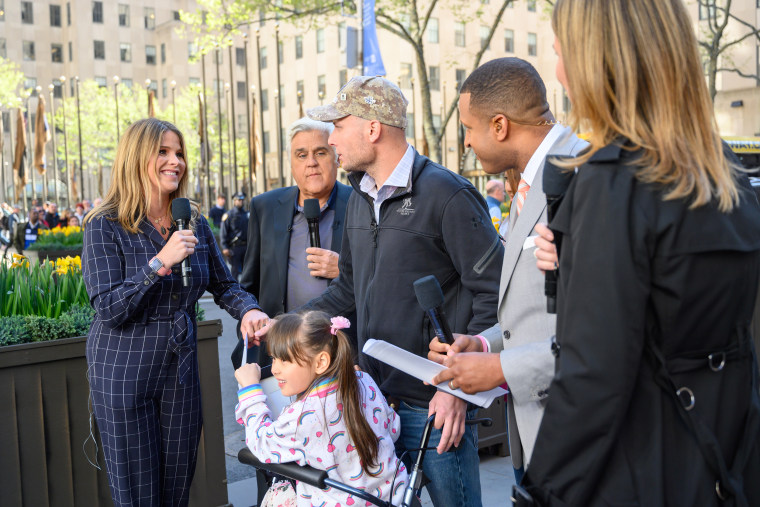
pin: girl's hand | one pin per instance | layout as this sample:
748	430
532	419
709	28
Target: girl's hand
248	374
181	244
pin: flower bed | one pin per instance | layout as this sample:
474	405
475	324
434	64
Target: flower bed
60	238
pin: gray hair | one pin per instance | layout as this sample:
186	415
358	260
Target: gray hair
306	124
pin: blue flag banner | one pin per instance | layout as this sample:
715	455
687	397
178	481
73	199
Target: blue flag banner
373	62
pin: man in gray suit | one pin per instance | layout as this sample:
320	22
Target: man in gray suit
508	125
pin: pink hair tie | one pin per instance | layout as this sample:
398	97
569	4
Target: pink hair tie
339	323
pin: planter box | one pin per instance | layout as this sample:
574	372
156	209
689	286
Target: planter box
45	422
51	255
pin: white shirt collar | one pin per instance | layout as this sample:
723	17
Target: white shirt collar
541	152
399	178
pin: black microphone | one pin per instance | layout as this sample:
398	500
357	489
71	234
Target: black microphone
430	298
556	181
312	212
181	215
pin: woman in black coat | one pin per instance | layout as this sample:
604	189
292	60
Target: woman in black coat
655	399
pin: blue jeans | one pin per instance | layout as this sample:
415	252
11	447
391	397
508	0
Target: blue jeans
454	475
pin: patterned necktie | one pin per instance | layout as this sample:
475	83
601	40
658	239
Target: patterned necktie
522	193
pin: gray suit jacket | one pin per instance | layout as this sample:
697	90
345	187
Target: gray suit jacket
523	335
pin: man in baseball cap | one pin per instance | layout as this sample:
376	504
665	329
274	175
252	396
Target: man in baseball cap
410	217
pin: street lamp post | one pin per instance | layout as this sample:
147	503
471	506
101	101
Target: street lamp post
278	111
218	54
206	148
278	138
116	98
44	175
232	121
51	87
248	116
232	170
321	97
261	111
79	128
174	109
67	170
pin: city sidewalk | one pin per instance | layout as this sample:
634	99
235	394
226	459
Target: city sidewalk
496	475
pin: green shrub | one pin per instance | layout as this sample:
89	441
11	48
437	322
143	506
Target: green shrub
44	329
80	318
13	330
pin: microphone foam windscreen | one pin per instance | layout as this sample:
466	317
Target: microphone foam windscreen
181	209
428	291
311	208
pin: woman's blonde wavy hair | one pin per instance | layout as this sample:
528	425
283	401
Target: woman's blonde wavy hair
633	70
129	197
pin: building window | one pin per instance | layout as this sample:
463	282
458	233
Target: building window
241	90
299	46
55	15
192	49
240	57
321	86
99	47
176	16
299	89
434	77
27	14
218	57
263	57
195	81
149	13
708	11
123	15
531	5
28	48
265	142
7	122
484	31
437	123
163	88
509	41
405	76
218	86
102	81
532	44
459	34
265	100
2	10
163	53
341	35
126	82
97	12
342	77
241	123
68	13
281	96
3	49
432	30
410	125
150	55
30	83
280	53
57	90
320	40
125	52
71	52
461	75
56	53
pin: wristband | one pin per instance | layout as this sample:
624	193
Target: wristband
484	343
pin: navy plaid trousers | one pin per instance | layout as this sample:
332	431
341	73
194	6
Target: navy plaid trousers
142	357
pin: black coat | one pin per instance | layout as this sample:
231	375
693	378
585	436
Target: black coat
635	269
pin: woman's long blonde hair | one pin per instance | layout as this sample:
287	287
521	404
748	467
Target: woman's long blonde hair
129	197
633	70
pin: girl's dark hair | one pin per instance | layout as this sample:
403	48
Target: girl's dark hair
301	336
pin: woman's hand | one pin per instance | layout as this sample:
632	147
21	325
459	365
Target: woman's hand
248	374
251	322
546	250
181	244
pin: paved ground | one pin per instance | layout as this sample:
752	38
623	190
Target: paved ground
496	476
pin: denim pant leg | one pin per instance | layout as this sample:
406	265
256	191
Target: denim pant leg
455	475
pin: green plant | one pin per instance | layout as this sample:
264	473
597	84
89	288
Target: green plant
200	313
65	238
43	328
80	318
13	330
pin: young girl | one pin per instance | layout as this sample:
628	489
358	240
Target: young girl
340	421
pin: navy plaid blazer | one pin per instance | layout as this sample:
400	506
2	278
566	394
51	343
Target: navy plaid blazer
134	305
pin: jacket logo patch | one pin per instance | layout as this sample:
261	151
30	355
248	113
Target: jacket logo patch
406	207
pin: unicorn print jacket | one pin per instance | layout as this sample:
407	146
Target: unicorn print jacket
312	431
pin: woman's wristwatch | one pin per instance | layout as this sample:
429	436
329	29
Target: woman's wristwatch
158	267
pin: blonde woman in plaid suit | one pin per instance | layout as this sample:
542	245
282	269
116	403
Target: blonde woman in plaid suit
141	349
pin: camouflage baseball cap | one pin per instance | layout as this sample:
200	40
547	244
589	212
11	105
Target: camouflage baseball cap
368	97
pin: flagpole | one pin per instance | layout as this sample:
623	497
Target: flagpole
206	146
278	112
231	169
79	128
261	112
51	87
116	98
252	191
30	144
219	90
65	144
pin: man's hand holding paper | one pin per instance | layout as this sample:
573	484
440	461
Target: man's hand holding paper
469	369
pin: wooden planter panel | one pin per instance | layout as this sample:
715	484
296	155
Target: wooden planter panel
45	422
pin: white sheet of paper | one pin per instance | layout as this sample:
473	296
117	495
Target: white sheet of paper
275	399
245	349
424	369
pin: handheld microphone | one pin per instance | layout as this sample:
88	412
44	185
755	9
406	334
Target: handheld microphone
181	215
556	181
311	211
430	298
